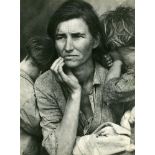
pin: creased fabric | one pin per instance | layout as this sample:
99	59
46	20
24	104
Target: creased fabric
28	144
120	89
103	145
29	114
30	130
119	93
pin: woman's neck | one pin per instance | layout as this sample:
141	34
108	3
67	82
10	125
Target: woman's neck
84	72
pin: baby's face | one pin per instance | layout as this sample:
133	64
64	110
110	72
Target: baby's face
125	54
128	55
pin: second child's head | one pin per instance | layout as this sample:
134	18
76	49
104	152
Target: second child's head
119	29
40	52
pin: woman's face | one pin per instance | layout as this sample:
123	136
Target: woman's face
74	42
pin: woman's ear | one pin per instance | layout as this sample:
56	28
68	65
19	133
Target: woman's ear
96	42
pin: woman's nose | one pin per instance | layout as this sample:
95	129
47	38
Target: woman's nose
69	45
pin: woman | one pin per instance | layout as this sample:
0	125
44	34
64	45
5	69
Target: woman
70	96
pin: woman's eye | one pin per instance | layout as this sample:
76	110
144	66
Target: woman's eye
59	37
76	36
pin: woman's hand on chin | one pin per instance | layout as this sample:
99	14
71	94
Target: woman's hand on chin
68	78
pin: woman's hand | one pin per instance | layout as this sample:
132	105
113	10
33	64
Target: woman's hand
68	78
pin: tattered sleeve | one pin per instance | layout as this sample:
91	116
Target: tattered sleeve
120	89
29	114
50	116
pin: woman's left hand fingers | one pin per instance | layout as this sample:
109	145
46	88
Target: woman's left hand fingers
56	63
58	73
61	73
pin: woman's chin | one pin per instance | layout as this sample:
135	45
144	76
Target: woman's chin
71	64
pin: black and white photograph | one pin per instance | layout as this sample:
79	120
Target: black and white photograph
77	77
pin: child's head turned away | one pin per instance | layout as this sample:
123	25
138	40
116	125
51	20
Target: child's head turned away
119	30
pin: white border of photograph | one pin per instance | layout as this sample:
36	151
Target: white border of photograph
9	77
145	77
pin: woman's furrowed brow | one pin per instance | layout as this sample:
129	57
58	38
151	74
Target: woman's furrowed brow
78	33
60	34
72	33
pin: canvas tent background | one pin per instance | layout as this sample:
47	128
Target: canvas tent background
34	15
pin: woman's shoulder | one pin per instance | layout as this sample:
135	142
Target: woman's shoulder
100	72
46	80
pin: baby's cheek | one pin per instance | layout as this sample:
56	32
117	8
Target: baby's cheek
127	115
132	119
125	120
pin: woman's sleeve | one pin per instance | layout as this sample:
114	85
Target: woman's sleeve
50	118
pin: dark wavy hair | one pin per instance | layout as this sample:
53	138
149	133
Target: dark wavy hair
77	9
41	50
118	27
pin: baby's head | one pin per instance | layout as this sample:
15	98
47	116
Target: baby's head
119	30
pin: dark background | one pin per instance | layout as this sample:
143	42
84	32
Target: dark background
34	15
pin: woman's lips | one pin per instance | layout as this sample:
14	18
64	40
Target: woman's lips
69	57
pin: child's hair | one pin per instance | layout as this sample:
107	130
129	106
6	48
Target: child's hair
119	27
40	50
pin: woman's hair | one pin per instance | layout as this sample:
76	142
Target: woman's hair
77	9
40	50
118	27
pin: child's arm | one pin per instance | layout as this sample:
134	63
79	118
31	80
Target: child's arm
115	70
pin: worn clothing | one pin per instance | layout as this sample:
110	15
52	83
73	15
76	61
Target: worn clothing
119	93
115	143
29	114
28	144
29	117
120	96
51	99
